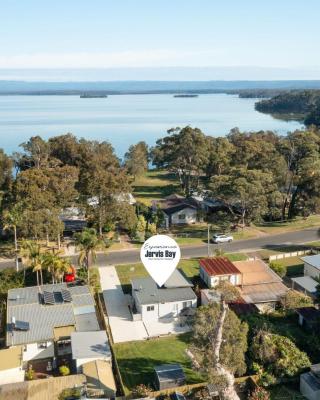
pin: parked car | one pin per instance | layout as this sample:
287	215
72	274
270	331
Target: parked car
221	238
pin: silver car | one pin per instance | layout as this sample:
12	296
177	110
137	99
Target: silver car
220	238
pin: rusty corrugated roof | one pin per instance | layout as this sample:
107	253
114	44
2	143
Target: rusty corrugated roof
218	266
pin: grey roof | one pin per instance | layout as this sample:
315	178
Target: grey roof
168	372
307	283
90	345
312	260
312	381
26	305
177	279
148	292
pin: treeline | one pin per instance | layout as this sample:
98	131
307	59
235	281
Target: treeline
303	103
46	177
257	175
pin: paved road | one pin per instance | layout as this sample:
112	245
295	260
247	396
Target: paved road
266	242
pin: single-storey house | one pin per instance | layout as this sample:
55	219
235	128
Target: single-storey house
310	383
169	376
312	266
153	303
41	320
309	317
257	283
178	210
89	346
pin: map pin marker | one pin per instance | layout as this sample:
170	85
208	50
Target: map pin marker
160	255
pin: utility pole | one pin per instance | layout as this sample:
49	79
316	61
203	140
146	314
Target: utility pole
208	240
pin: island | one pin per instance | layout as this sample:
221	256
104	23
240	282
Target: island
186	95
93	96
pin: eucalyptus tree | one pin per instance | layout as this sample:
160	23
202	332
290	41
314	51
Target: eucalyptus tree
12	220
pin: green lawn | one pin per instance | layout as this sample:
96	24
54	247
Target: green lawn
154	185
136	360
287	226
190	268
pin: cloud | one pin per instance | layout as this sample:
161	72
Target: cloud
145	58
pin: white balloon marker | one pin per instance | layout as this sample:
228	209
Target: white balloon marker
160	255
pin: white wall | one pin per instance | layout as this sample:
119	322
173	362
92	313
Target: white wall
213	281
12	375
33	351
190	216
309	270
164	310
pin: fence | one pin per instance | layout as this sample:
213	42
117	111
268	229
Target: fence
292	254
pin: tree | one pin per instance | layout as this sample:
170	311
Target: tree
12	220
136	159
31	253
244	192
220	342
293	299
87	243
277	354
140	229
6	178
278	268
185	152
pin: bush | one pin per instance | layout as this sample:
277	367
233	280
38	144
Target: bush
66	394
259	394
294	299
278	268
64	370
30	374
141	391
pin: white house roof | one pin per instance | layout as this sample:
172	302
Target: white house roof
312	260
90	345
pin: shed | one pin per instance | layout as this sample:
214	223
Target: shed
309	317
169	376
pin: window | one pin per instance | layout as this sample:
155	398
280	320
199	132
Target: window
186	304
182	216
224	278
42	345
150	308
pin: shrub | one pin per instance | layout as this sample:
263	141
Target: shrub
259	394
141	391
74	393
64	370
294	299
278	268
30	374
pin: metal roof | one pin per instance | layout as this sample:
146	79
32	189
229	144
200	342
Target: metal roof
27	305
148	292
177	279
310	314
90	345
307	283
263	293
168	372
218	266
312	260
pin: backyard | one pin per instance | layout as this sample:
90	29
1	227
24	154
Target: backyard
136	360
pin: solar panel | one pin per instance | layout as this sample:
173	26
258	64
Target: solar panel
48	297
66	295
22	326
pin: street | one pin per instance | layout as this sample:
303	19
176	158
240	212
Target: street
266	242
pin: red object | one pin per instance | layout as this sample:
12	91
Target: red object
70	276
218	266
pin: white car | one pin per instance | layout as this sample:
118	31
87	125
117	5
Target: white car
220	238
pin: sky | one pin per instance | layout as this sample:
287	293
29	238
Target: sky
230	39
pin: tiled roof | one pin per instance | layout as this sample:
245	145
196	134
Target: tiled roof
218	266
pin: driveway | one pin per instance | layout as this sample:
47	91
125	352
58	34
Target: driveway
123	329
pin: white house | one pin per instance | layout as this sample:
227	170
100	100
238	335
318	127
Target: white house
216	270
89	346
153	303
311	266
40	320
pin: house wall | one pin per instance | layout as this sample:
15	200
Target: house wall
33	351
266	307
213	281
190	216
12	375
309	270
165	310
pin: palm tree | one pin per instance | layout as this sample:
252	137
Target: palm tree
87	243
31	253
12	219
